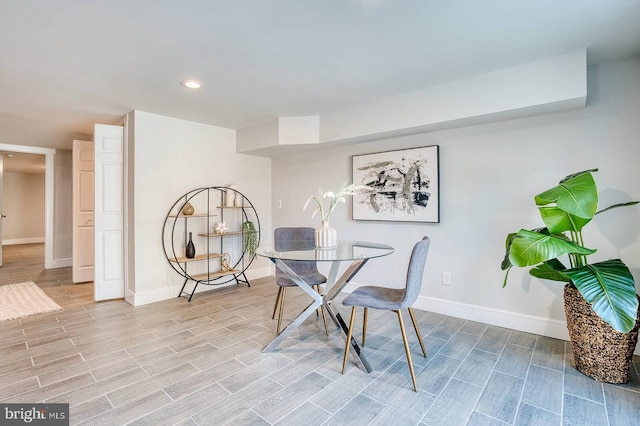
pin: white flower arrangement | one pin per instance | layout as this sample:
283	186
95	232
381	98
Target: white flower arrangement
334	199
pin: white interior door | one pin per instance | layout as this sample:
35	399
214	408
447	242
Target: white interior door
109	213
83	228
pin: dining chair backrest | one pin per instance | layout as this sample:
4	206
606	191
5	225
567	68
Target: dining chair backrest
295	238
415	271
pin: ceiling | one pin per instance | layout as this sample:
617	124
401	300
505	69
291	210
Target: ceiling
66	64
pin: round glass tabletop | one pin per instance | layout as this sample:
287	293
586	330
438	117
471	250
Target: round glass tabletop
344	250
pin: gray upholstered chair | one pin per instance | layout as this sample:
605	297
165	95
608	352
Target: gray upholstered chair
391	299
300	238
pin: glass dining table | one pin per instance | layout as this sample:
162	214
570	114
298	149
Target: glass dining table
356	252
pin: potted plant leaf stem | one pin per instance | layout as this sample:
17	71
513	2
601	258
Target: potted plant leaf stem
600	298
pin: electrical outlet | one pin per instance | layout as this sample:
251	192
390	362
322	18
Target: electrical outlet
279	203
446	278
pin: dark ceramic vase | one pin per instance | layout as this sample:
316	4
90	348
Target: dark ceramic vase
191	249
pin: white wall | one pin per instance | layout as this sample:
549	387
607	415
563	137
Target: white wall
23	204
549	85
488	176
172	157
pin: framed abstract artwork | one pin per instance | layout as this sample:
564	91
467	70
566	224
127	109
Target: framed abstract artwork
398	185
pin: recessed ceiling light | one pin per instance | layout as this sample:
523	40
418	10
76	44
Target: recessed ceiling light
191	84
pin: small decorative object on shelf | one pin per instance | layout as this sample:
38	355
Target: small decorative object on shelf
221	228
325	236
230	195
188	209
250	237
190	252
223	250
224	263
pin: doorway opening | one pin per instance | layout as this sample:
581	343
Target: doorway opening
22	201
48	154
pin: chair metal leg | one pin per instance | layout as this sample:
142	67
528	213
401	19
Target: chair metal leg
275	305
406	349
280	301
364	325
324	317
284	292
349	334
317	287
415	326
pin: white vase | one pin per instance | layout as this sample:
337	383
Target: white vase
326	254
326	236
230	195
239	199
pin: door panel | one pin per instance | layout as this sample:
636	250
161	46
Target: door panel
83	212
109	213
85	258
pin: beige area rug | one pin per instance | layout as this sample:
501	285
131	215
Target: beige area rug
24	299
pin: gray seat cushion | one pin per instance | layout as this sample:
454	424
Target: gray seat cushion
311	278
376	298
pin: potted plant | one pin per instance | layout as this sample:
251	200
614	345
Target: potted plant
250	238
601	304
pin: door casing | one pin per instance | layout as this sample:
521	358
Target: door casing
49	174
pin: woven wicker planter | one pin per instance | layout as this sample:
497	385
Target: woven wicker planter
599	351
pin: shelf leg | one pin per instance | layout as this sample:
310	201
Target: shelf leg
194	289
182	289
246	280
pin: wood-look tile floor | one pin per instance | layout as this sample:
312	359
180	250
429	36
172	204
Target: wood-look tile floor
200	363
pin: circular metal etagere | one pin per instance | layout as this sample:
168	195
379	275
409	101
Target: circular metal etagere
223	228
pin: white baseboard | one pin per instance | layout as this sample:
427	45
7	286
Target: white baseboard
254	274
143	298
513	320
527	323
129	297
62	263
14	241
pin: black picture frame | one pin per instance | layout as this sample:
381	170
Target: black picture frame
401	185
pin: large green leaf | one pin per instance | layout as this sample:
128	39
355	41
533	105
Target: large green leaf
531	248
555	264
609	287
572	175
506	264
576	195
546	272
506	276
615	206
558	221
